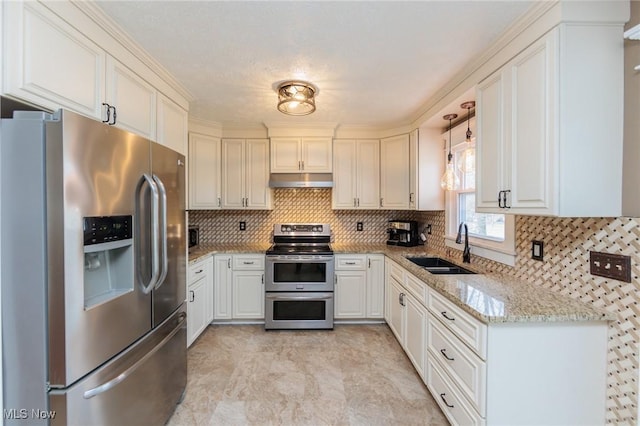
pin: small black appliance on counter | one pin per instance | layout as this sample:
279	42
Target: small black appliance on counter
403	233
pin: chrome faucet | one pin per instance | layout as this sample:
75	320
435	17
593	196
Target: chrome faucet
466	254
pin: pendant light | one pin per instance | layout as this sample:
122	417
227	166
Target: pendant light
468	157
450	180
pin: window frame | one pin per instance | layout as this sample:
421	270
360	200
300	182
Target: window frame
489	248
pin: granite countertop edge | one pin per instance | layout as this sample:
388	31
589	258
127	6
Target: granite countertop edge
518	301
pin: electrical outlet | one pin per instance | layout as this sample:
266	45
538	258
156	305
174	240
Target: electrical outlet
243	226
537	250
359	226
428	228
614	266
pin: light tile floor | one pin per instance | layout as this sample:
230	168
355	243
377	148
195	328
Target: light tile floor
352	375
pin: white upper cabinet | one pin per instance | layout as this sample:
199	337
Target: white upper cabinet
173	125
245	174
550	127
356	177
49	63
301	155
134	99
55	57
394	173
425	169
204	172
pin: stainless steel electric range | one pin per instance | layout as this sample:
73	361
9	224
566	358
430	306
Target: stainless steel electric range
299	279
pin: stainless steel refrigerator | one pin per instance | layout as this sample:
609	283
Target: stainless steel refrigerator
93	273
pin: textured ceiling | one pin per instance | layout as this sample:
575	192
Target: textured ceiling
374	63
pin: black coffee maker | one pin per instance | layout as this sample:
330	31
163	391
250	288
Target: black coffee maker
403	233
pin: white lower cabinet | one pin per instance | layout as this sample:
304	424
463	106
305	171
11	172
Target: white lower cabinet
407	319
222	287
239	287
359	286
199	298
502	373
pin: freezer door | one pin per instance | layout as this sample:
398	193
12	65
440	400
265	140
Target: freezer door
97	306
169	174
140	387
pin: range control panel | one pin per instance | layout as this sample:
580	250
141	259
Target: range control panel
104	229
302	229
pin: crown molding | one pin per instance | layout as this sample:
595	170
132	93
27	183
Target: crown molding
284	129
467	78
206	127
104	21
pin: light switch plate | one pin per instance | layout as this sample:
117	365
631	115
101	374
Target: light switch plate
608	265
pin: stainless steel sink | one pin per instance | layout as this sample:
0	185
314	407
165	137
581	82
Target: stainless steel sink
439	266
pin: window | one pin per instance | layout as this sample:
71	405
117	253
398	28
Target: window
490	235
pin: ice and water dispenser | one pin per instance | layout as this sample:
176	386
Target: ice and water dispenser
108	258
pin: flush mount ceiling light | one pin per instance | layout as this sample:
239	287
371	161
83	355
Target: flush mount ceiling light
468	157
296	98
450	180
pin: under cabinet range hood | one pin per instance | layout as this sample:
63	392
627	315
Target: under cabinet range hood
301	180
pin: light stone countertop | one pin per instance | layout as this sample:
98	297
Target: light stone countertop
488	297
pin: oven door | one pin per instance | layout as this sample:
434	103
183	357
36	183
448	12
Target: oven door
298	311
309	273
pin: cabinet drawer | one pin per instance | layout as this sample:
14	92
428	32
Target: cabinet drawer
416	287
396	271
465	368
472	332
251	262
351	263
197	271
454	406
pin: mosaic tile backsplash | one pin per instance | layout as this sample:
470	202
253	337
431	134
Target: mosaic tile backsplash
565	268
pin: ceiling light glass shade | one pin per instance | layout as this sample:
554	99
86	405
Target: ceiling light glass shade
296	98
450	180
468	159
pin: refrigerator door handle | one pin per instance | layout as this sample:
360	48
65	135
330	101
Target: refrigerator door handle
155	264
119	378
164	260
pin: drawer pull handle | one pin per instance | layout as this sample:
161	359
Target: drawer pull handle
200	271
444	354
350	263
444	314
247	263
445	401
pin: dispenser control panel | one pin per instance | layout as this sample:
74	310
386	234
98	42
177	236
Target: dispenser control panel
104	229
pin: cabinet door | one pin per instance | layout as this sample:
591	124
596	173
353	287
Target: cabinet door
490	142
375	286
394	172
350	294
415	332
204	172
286	155
233	173
343	195
49	63
396	310
196	310
248	294
257	191
172	125
531	136
316	155
368	174
222	287
133	98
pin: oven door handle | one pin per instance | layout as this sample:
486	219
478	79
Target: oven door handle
272	297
